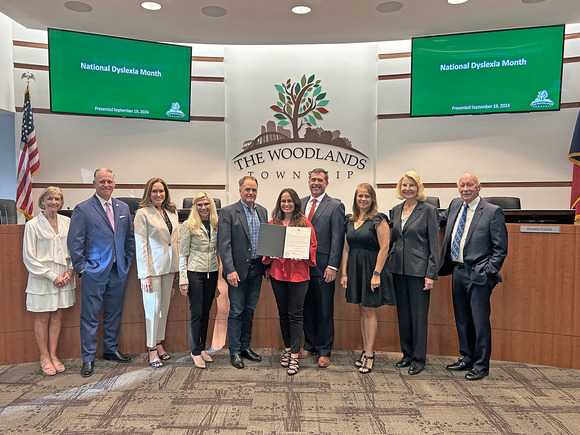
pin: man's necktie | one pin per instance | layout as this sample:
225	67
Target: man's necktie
458	234
110	214
312	209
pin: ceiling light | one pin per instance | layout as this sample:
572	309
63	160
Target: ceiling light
388	7
151	6
213	11
301	10
532	1
456	2
78	6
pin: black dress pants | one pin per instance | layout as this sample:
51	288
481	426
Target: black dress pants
202	286
413	313
290	300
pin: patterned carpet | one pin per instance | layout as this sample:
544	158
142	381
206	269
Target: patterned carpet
261	399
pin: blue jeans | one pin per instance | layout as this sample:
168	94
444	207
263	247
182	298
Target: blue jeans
243	301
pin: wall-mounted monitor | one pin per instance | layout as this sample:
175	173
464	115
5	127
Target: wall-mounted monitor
517	70
109	76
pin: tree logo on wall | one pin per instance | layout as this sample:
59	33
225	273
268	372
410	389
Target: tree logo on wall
300	107
300	104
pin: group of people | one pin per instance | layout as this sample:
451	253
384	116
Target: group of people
378	265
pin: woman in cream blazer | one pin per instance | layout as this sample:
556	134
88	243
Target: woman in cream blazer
157	256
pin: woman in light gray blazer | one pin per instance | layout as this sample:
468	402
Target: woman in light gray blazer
156	252
413	262
198	271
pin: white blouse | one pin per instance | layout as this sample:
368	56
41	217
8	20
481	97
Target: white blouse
45	254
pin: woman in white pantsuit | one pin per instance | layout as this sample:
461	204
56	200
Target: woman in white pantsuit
157	255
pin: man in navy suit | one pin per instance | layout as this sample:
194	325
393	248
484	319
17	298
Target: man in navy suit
102	247
238	229
474	249
327	217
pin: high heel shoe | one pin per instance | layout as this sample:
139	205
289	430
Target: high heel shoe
359	361
58	365
285	360
162	356
293	366
157	363
365	368
197	363
206	357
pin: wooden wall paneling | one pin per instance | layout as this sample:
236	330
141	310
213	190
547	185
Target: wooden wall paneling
534	312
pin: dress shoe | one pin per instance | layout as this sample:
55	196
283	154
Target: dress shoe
458	366
415	369
87	369
251	355
403	363
476	375
323	362
237	361
305	354
117	356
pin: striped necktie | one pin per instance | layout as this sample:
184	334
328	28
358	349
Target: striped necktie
458	234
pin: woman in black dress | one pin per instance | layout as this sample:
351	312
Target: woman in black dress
365	277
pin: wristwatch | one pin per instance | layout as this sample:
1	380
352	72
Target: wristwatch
376	273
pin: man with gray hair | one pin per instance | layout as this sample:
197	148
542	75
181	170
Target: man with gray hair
238	229
102	247
473	251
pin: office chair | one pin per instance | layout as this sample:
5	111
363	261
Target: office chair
132	202
433	200
8	213
188	202
505	202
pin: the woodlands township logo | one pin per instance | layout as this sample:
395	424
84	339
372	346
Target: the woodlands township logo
300	107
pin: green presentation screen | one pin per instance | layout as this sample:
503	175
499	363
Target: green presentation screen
517	70
108	76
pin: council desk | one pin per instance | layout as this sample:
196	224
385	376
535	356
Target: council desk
535	314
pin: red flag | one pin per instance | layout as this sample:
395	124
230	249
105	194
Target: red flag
28	161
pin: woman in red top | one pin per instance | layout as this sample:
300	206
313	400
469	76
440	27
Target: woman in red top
290	277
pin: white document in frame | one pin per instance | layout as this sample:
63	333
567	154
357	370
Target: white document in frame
297	243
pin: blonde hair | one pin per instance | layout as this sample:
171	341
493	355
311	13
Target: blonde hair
373	209
411	175
194	219
47	192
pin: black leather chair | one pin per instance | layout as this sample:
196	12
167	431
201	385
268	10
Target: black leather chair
188	202
8	213
433	200
505	202
132	202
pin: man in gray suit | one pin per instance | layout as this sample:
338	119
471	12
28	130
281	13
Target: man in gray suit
327	217
474	249
238	229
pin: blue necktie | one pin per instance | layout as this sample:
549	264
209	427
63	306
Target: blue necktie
458	234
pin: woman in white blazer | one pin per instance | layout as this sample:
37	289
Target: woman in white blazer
157	255
198	271
51	285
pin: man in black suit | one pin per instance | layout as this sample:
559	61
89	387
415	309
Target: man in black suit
474	249
238	229
327	217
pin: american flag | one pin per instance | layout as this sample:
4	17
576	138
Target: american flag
28	161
